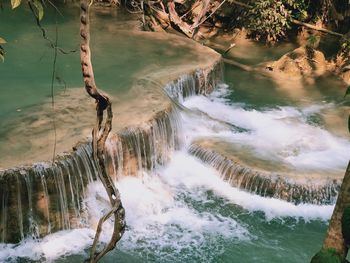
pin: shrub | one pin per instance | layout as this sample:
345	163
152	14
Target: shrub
270	20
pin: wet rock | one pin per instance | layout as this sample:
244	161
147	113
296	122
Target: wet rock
265	182
302	62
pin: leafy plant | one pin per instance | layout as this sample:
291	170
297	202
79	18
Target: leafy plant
2	51
345	45
37	5
298	8
347	93
312	41
329	255
15	3
270	20
38	11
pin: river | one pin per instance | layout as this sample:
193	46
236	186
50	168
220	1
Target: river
184	211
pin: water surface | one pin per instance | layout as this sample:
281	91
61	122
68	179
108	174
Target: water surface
182	212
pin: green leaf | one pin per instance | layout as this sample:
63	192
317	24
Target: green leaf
15	3
39	9
347	91
2	41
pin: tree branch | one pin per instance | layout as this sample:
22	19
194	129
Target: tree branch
210	14
317	28
174	17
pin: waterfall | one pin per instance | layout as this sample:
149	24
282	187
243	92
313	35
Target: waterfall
38	200
268	184
47	197
136	149
149	146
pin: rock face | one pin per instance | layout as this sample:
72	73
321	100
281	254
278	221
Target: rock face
47	197
299	63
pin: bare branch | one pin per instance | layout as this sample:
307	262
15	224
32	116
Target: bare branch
174	17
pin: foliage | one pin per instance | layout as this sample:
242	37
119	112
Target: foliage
15	3
329	255
36	7
345	46
312	41
347	93
37	10
2	51
298	8
270	20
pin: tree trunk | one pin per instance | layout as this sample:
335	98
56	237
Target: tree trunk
334	238
99	137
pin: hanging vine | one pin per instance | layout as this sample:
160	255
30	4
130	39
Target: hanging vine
100	133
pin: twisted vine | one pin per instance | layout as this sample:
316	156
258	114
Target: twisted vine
100	133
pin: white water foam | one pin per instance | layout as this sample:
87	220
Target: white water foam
164	211
162	219
50	247
282	134
186	172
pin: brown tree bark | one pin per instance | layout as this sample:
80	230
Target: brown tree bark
334	238
99	136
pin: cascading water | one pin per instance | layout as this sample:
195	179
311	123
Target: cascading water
275	152
39	200
268	184
180	191
136	149
177	207
180	212
45	198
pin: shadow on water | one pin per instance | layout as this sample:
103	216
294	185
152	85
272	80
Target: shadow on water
257	91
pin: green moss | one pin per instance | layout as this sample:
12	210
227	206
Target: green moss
345	225
329	255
